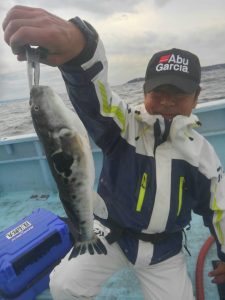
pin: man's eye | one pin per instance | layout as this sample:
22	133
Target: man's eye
181	96
157	96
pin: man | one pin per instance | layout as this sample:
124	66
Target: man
156	168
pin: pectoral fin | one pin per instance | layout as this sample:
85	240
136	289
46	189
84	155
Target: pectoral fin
99	206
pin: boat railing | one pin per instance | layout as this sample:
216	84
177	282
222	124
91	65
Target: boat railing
23	163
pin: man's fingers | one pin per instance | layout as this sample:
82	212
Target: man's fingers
21	12
218	273
28	36
219	279
36	27
17	24
34	37
21	57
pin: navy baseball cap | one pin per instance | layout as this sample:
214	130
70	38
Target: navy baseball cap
175	67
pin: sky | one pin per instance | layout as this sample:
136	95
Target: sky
132	31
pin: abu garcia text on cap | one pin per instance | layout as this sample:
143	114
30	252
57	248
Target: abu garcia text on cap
173	62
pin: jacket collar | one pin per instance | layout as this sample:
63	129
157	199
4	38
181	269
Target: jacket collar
181	121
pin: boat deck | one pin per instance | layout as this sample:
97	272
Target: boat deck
123	285
23	164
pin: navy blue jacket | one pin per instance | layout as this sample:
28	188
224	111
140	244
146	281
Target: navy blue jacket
154	174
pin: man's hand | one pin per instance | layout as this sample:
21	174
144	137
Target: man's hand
218	273
36	27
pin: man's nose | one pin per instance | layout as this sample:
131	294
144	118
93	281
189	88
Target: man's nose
167	100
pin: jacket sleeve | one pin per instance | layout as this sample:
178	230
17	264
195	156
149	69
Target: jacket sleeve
211	196
103	113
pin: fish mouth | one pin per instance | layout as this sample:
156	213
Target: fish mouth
37	91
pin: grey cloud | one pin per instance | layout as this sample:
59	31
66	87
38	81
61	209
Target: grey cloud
144	44
161	2
98	7
208	44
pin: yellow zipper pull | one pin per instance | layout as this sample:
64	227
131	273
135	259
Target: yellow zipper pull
180	194
142	192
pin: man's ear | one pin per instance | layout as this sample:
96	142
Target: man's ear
197	93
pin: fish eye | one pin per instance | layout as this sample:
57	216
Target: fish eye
36	107
65	132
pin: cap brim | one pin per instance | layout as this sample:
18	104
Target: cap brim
185	84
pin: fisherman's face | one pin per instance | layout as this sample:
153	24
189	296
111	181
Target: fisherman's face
169	101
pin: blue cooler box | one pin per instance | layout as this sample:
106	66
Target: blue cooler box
29	250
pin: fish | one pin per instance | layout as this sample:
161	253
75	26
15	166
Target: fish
67	148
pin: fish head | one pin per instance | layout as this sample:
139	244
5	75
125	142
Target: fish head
45	107
61	132
48	111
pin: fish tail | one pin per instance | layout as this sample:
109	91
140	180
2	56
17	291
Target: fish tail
94	246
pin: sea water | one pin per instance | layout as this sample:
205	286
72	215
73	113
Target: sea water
15	114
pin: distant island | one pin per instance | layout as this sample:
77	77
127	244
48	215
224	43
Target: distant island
213	67
204	69
136	80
